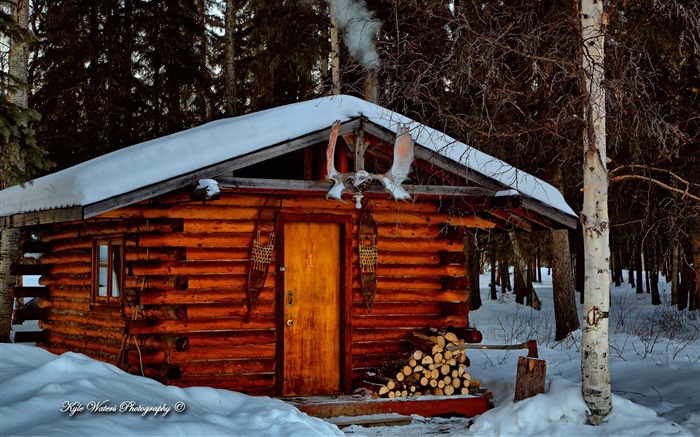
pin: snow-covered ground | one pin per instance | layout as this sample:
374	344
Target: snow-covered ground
654	360
654	356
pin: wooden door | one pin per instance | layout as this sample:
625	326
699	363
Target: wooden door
311	323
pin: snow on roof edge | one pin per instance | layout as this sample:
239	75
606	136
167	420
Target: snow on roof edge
173	155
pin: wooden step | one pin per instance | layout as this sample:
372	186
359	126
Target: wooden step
391	419
426	406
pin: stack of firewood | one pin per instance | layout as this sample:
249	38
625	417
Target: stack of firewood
431	369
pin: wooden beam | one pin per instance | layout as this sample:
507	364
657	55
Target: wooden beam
42	217
42	292
30	269
324	186
224	167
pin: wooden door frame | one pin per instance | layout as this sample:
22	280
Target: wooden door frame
345	222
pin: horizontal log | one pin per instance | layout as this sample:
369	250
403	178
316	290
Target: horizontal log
67	256
218	254
409	258
74	329
447	258
156	254
385	271
30	336
407	308
85	344
185	211
66	280
29	312
70	268
376	347
146	356
409	218
194	325
261	309
243	240
408	231
380	334
189	268
177	282
417	294
60	291
454	282
237	382
454	308
71	245
228	296
232	338
43	292
93	319
223	367
406	321
195	226
243	351
407	244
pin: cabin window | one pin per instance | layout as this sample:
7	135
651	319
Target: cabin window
107	270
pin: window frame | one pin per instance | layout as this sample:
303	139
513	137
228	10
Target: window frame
109	242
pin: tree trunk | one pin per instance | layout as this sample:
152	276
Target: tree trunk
687	283
522	285
471	256
595	386
19	55
653	263
638	265
675	268
695	243
565	313
492	283
538	264
335	52
10	238
9	254
230	59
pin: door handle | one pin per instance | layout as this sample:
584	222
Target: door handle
290	295
290	322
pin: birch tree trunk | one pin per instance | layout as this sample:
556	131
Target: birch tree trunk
9	238
594	219
335	51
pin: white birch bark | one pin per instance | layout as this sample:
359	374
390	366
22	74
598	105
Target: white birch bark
10	238
9	254
335	51
594	218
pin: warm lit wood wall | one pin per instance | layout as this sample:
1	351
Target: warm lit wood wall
187	266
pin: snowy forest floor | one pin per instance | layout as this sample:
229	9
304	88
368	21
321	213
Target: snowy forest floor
654	360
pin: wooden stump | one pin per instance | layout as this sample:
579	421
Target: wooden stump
530	377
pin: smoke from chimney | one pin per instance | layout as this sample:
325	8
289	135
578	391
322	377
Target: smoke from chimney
360	30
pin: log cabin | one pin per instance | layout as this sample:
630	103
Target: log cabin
216	256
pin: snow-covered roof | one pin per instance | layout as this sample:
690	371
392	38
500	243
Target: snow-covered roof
168	157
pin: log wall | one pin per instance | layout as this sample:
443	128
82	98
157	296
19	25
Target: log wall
185	299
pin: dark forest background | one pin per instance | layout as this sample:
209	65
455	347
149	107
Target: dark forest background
504	77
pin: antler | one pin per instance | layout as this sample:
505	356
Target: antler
401	165
331	173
